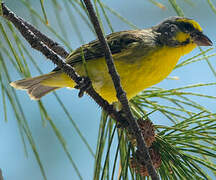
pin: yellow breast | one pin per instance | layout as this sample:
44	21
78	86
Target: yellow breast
136	74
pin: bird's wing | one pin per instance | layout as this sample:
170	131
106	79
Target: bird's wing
121	44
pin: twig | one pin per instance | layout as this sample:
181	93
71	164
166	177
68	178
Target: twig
36	43
121	95
1	176
50	49
49	42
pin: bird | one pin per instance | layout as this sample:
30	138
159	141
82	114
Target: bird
142	57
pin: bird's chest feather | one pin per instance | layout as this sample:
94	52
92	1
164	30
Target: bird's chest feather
152	69
135	76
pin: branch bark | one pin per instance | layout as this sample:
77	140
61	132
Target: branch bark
37	44
51	50
46	40
120	93
1	176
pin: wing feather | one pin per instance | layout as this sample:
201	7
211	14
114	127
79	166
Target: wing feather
120	43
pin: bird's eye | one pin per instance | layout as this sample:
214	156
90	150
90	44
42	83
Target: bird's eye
188	27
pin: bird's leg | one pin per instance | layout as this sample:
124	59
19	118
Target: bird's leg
85	83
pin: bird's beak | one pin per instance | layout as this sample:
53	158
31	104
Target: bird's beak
201	40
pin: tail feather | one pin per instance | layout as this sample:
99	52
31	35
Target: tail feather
35	89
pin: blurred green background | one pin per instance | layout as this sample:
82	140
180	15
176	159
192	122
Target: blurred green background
84	111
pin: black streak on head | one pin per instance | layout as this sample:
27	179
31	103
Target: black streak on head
168	29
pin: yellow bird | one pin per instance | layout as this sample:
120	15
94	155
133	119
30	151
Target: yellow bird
142	58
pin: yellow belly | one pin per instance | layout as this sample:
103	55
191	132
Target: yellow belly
135	77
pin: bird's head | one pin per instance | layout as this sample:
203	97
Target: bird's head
178	31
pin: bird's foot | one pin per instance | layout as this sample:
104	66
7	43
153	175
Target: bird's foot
85	84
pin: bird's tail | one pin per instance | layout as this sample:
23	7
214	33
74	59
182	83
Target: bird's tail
34	86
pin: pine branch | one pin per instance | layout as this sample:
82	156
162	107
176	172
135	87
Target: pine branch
37	44
51	50
121	95
1	176
47	41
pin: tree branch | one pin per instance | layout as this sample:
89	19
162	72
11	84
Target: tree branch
51	50
1	176
46	40
121	95
37	44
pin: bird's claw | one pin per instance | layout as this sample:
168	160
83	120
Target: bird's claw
85	84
